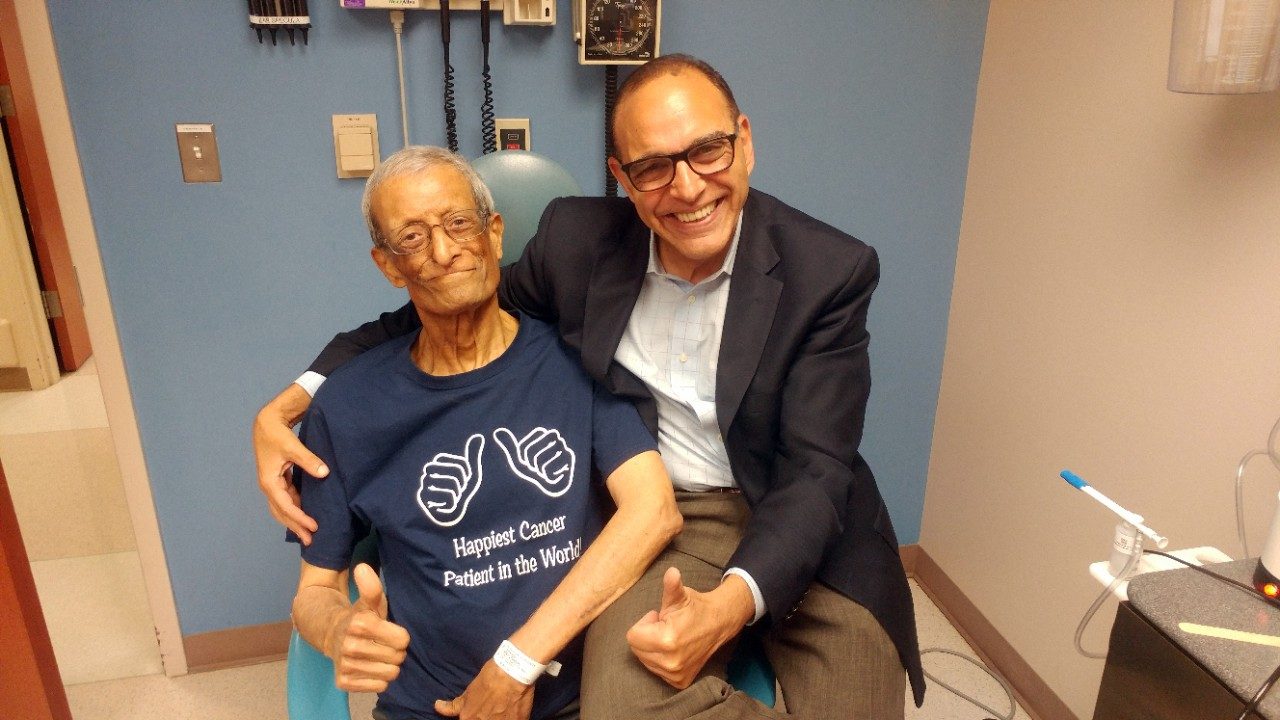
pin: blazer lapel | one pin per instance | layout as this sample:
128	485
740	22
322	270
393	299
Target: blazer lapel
615	284
753	300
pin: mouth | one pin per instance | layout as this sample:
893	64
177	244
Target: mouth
700	214
451	273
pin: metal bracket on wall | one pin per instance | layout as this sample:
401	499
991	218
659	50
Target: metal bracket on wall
514	12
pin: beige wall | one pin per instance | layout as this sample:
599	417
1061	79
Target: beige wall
1116	311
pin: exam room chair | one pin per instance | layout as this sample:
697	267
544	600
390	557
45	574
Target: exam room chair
522	183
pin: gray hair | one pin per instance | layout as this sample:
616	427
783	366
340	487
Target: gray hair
414	159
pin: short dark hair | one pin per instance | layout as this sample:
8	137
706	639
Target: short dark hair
672	64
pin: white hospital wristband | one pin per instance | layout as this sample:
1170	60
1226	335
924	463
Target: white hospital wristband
522	668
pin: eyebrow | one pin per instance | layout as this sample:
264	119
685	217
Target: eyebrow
714	135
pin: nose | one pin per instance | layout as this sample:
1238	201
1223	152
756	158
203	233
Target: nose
686	184
443	248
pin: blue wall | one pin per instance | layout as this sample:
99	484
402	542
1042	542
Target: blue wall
223	292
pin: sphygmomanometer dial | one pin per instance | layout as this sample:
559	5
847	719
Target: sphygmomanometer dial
621	30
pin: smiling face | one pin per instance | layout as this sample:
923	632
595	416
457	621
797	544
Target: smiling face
695	216
446	277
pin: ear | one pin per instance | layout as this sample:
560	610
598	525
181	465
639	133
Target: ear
386	263
495	235
615	167
744	138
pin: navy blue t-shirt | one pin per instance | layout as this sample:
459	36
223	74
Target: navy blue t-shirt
480	488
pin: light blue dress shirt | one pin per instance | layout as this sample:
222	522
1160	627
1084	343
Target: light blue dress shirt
672	343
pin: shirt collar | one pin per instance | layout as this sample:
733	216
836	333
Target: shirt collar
655	265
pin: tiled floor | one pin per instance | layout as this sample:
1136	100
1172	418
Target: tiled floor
257	692
62	472
939	704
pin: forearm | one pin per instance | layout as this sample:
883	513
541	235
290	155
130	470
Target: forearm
625	548
319	613
817	487
287	407
784	543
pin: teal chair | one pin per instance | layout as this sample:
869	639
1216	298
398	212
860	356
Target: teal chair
522	183
309	688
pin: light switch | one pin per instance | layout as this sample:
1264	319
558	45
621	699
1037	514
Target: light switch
355	144
198	153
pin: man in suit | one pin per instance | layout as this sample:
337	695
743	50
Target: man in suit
737	324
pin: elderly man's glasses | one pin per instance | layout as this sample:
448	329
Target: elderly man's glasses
460	226
705	158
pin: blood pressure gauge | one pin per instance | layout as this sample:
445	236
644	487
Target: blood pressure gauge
617	32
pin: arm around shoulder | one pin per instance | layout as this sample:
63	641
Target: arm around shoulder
277	450
347	345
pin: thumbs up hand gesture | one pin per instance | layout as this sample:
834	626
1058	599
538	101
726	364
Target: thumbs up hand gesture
366	649
675	641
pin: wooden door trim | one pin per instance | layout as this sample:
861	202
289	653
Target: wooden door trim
30	686
31	157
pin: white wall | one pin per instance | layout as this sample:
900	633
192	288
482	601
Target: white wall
1116	311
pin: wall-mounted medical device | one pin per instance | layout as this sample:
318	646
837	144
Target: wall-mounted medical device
275	15
514	12
617	32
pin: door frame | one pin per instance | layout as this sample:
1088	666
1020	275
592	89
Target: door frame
48	234
29	680
20	293
25	32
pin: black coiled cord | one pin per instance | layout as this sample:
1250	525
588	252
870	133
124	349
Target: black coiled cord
488	128
610	99
450	111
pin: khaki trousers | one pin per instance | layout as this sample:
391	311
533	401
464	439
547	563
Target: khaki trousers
831	657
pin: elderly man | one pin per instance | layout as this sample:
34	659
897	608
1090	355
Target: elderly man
738	326
469	447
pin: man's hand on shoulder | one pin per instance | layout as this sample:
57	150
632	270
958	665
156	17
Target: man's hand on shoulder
493	695
676	641
367	650
276	451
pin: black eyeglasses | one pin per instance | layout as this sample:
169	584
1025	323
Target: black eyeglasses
460	226
706	158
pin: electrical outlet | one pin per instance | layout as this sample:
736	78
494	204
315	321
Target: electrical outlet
198	153
512	134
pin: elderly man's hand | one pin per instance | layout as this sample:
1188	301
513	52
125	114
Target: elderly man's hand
676	641
493	695
276	451
366	649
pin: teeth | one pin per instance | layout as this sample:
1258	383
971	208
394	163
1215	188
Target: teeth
696	215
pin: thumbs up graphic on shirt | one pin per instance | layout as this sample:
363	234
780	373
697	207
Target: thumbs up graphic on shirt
449	482
541	457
